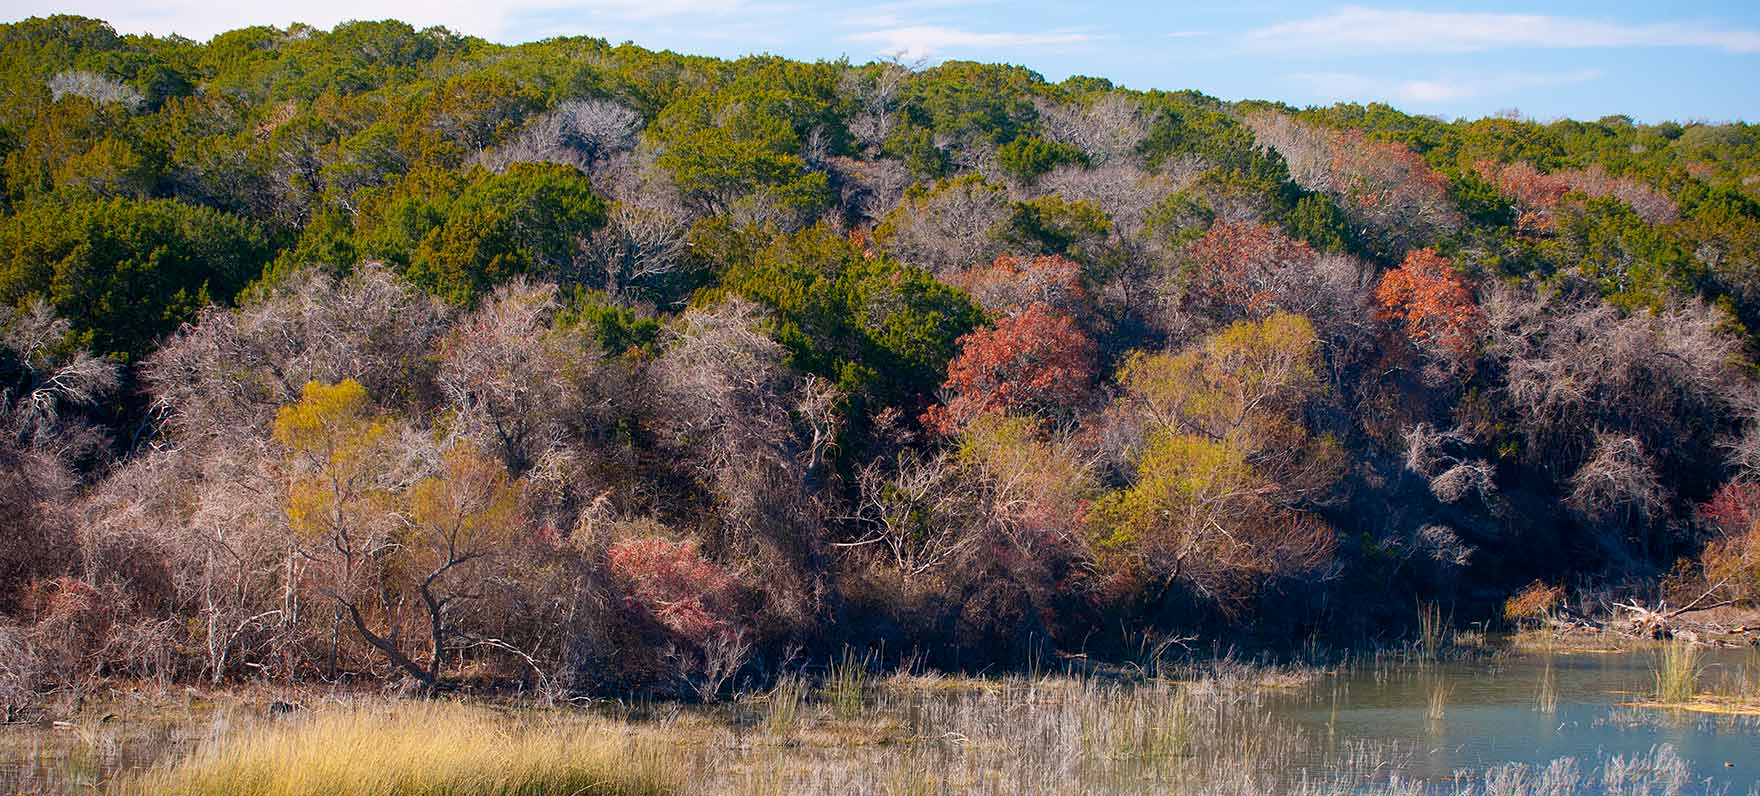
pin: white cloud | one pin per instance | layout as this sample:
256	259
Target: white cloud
201	19
1360	30
923	41
1187	34
1432	91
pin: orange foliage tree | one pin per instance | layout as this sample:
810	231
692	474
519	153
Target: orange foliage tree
1038	361
1435	305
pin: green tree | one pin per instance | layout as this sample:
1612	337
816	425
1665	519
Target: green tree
123	271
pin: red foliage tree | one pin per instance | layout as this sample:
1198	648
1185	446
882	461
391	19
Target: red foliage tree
671	581
1244	270
1734	509
1732	558
1037	361
1435	305
1535	193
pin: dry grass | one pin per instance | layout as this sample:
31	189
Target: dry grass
417	749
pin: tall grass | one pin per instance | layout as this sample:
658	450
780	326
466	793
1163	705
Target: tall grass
417	749
1677	672
846	683
1432	630
1439	696
1546	700
784	705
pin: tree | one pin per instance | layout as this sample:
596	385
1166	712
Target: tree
736	144
1435	306
872	326
1573	369
1037	362
462	525
124	272
527	220
232	370
952	225
1028	157
1010	285
1196	516
341	498
514	383
577	133
1225	466
637	246
1385	188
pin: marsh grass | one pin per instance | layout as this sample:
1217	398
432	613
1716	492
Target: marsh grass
1546	699
417	749
1432	631
846	683
1677	669
1440	693
784	705
1207	733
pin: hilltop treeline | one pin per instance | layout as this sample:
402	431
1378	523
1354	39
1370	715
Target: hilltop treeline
391	353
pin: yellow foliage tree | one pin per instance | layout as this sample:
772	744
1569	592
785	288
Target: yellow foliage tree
382	544
1227	463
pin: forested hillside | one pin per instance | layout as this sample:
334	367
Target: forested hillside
390	353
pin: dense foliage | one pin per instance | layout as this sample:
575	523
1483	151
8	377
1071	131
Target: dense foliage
384	351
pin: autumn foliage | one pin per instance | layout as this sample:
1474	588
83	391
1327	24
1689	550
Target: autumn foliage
1732	558
673	583
1434	304
1241	270
1039	361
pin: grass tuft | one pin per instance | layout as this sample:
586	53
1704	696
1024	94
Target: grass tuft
1677	671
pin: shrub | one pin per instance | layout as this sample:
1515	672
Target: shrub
1534	602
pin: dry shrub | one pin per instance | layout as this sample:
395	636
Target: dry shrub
20	667
1533	603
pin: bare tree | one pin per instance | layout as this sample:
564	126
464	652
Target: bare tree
510	381
925	513
1618	482
952	227
758	438
100	89
1668	377
1442	457
1107	128
637	244
578	133
877	89
232	369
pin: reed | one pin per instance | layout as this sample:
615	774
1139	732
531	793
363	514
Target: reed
417	749
1432	631
1677	671
1439	696
784	704
1546	700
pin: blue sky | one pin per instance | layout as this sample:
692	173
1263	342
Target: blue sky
1650	60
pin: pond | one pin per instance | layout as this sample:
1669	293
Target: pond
1530	709
1396	728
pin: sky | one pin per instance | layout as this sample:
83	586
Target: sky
1581	59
